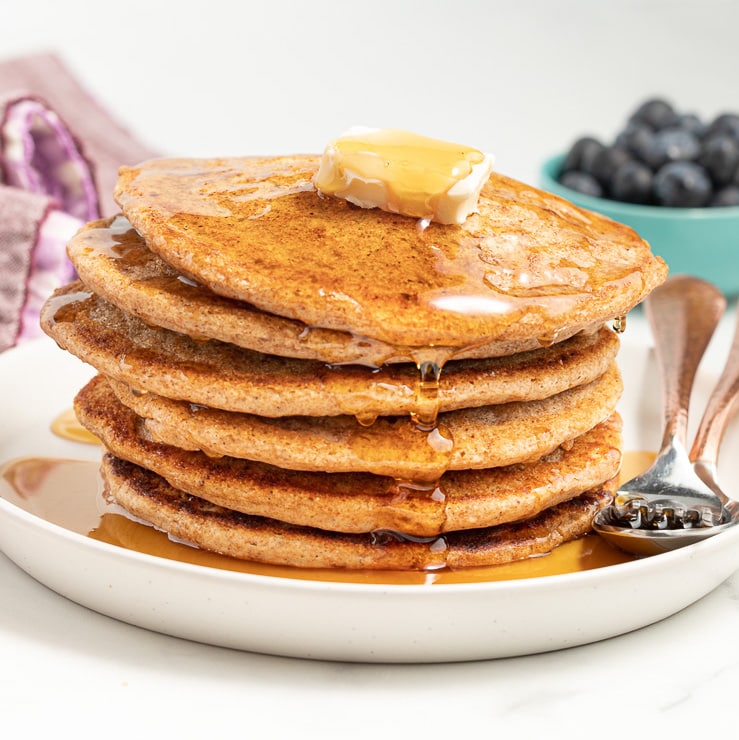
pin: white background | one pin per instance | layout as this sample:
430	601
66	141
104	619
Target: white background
520	79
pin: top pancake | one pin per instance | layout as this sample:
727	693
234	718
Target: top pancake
526	266
112	259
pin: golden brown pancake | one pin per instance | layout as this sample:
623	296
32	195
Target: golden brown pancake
482	437
357	502
525	266
191	519
227	377
114	262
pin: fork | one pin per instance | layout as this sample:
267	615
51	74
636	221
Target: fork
675	493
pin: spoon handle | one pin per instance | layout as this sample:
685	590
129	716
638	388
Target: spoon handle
683	314
719	409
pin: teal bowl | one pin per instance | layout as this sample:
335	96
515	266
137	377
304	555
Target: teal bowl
693	241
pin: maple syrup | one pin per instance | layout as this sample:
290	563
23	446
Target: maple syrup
66	426
427	400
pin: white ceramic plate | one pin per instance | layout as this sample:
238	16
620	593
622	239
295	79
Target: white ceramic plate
342	621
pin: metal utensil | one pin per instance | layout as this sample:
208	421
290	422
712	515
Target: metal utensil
678	500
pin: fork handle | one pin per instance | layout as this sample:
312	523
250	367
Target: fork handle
719	408
683	314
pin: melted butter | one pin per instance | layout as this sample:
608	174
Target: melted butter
402	172
68	493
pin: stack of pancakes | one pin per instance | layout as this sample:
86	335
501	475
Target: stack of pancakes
291	379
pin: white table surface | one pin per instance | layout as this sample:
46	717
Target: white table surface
517	79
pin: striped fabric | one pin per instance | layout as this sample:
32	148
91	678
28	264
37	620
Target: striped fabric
59	150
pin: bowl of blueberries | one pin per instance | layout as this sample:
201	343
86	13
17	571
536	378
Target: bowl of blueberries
673	177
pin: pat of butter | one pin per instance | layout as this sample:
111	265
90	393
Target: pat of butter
404	173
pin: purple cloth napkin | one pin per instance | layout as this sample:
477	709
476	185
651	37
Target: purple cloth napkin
59	156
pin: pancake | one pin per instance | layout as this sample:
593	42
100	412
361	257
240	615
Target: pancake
114	262
191	519
222	376
358	502
524	266
482	437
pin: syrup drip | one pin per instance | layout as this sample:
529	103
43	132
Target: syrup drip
426	444
366	419
428	401
547	340
425	417
418	500
619	324
436	547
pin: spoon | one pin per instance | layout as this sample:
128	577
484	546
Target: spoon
678	500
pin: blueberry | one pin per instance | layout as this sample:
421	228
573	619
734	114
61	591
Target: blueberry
682	184
582	182
656	113
606	162
720	156
727	196
644	146
692	123
671	145
726	123
581	154
632	182
635	137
